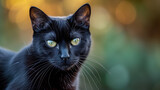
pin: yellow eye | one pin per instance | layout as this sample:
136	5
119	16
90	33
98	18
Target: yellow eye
75	41
51	43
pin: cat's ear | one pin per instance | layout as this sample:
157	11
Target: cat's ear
38	18
82	15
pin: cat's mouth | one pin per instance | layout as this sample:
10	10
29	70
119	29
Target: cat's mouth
66	66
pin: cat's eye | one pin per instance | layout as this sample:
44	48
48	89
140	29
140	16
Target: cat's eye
75	41
51	43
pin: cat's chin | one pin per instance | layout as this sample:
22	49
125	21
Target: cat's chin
64	68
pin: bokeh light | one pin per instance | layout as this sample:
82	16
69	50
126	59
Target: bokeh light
100	19
125	12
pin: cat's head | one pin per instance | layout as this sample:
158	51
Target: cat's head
62	41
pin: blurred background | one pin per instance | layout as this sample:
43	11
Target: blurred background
125	51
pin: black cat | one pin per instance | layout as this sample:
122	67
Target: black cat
52	61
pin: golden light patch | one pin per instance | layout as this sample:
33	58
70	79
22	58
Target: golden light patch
125	12
19	10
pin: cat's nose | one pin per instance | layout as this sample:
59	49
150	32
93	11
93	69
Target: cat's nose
64	51
65	56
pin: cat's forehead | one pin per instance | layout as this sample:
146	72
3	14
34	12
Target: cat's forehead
59	17
60	23
60	28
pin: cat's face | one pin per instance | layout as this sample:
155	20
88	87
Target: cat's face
62	41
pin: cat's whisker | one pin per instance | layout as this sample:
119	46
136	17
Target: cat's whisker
88	80
71	75
39	66
49	79
91	79
26	73
43	75
95	71
94	61
91	72
36	77
91	60
40	77
84	76
84	80
95	56
32	65
91	76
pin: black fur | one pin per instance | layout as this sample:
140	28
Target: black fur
40	67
